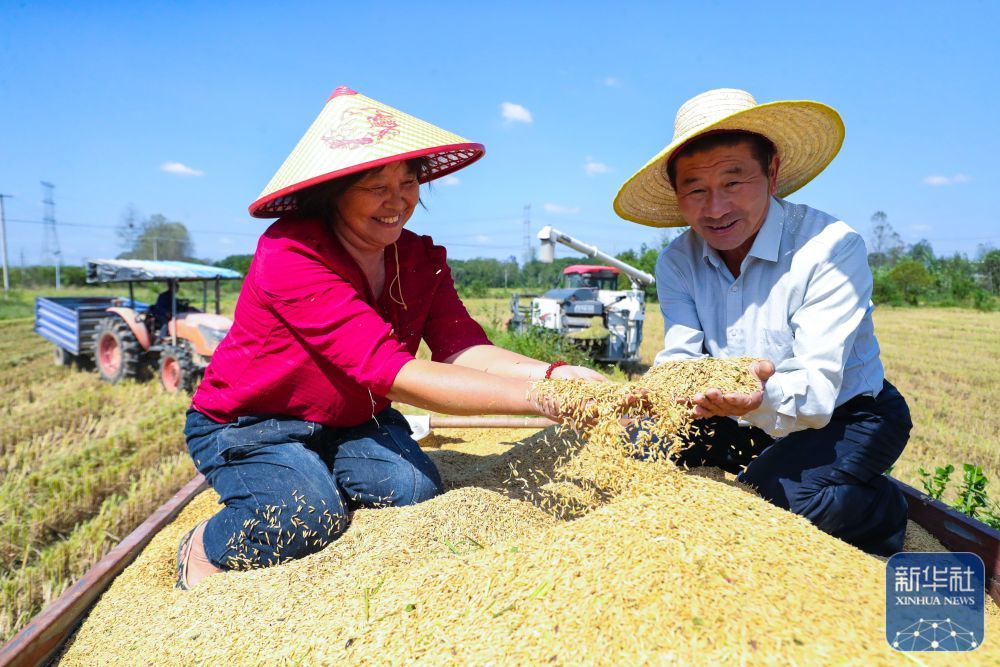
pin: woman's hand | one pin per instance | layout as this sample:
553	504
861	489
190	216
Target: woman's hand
549	407
545	406
580	411
713	403
577	373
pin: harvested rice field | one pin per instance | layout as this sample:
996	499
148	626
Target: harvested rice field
946	362
668	567
85	462
82	463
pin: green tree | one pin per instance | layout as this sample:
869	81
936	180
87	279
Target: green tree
156	238
912	279
990	268
644	260
886	244
954	277
922	252
537	275
239	263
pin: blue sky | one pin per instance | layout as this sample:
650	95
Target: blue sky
100	97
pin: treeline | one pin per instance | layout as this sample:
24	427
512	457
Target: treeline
29	277
475	277
913	275
904	274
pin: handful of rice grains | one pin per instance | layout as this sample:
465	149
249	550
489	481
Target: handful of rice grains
651	410
626	434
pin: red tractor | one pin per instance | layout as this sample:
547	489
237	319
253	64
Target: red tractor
125	338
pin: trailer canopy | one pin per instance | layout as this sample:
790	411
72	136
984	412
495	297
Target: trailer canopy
126	270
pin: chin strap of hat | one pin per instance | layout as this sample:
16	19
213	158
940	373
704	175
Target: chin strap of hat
396	282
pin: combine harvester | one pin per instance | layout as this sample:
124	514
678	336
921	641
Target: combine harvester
588	308
122	337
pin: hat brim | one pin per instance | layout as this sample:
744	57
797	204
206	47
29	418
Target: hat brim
443	161
807	134
354	133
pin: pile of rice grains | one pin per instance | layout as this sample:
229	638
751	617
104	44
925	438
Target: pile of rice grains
547	547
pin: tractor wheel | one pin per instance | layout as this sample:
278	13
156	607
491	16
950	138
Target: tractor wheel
177	370
63	358
116	351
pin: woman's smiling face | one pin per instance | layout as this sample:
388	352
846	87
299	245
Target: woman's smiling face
371	213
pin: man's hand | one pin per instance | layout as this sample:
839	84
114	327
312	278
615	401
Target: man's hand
577	372
713	403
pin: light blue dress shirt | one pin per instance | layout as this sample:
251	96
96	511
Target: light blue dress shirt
802	300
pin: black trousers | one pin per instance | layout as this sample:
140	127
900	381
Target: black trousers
832	476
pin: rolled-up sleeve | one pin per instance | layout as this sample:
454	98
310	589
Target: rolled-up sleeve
329	318
683	337
804	389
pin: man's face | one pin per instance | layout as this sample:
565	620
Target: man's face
723	194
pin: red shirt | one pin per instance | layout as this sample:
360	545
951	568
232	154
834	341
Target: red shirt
311	341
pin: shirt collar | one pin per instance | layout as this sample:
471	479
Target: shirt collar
768	240
765	245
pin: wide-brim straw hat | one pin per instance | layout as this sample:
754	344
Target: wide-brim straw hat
354	133
806	134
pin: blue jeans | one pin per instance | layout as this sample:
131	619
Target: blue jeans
288	484
832	476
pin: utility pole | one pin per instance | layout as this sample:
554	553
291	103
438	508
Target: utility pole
3	244
527	233
50	228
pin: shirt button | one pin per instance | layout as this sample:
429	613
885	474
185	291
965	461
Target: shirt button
734	288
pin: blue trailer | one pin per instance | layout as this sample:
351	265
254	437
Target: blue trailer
70	323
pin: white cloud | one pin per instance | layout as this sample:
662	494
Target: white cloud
611	82
449	180
593	167
484	239
515	113
920	228
180	169
561	210
946	180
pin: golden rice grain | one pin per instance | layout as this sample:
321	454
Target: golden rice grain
555	548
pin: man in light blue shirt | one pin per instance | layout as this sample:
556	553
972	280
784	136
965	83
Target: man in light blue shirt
789	285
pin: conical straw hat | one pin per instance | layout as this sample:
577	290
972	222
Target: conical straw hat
354	133
807	135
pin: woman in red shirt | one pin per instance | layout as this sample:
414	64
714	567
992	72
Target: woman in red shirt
292	424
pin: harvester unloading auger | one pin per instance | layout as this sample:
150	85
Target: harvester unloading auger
588	307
